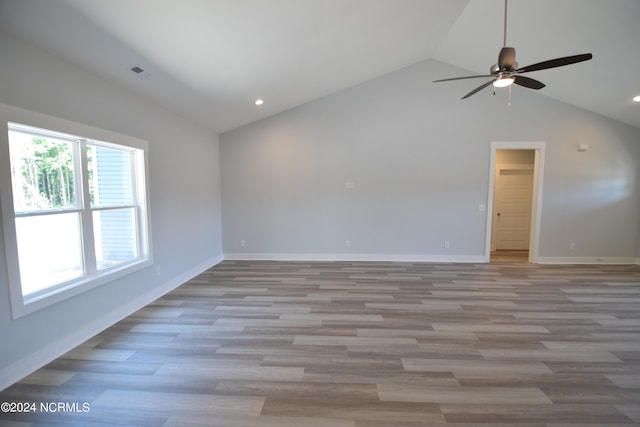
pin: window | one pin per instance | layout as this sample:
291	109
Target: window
79	214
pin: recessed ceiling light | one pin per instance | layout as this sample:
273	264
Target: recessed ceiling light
259	102
636	98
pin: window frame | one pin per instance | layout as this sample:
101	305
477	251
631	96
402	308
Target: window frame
93	277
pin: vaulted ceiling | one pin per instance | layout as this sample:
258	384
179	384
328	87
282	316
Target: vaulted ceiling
209	60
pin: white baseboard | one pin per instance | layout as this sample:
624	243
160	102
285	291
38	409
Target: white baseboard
18	370
588	260
419	258
356	257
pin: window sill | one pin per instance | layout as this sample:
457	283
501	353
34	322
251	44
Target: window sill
21	306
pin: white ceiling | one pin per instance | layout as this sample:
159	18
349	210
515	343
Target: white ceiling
208	60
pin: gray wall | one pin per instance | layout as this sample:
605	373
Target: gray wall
419	158
184	201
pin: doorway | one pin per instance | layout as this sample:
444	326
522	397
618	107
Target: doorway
515	190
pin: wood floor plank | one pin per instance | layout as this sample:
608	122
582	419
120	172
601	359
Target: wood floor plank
476	367
362	344
216	370
417	333
549	355
256	421
581	414
630	410
350	340
303	390
471	395
626	380
497	328
210	405
52	377
91	353
354	409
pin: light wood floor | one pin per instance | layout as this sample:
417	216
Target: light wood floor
362	344
508	256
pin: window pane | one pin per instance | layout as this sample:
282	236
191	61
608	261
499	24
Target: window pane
49	250
42	172
115	234
110	177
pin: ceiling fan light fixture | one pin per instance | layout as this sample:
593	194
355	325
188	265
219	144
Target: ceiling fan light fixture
503	81
636	98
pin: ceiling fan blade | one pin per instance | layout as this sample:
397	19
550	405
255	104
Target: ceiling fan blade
558	62
462	78
528	82
507	58
478	89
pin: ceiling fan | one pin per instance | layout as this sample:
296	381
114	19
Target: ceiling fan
506	71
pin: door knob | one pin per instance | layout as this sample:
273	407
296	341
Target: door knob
498	213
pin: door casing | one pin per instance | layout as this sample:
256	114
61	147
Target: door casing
536	200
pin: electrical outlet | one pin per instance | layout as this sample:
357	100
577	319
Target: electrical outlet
347	243
572	246
447	244
350	185
243	243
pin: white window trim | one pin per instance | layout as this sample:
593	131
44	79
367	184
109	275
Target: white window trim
20	307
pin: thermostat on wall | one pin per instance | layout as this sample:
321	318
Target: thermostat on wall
583	147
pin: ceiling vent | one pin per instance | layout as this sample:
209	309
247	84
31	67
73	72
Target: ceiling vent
140	72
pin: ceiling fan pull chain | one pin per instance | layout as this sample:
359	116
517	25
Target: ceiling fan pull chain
509	99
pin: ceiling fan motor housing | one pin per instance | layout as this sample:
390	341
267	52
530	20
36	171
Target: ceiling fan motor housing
507	59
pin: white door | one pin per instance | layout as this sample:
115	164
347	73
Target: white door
512	208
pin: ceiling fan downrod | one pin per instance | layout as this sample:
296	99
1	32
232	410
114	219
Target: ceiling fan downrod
504	40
